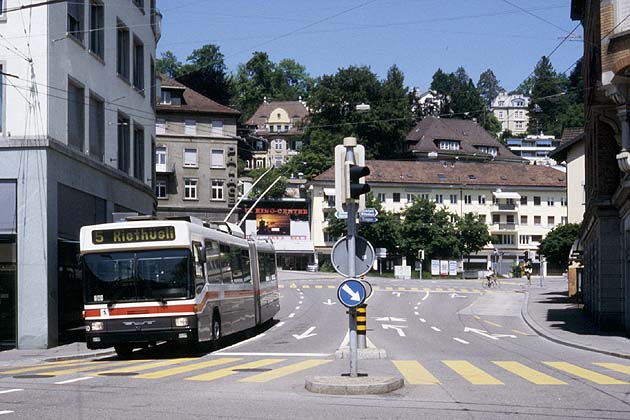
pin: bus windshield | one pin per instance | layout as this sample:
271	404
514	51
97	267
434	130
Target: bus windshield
137	276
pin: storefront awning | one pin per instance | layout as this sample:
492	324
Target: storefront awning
294	247
513	195
329	191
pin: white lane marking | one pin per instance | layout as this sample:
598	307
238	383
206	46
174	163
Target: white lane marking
300	302
346	340
396	293
6	412
69	381
460	340
298	290
305	334
297	308
423	320
398	328
276	354
419	303
330	302
391	318
291	315
8	391
240	343
279	324
416	313
436	329
455	295
415	308
426	296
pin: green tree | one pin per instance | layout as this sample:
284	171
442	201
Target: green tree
557	244
547	100
488	87
473	234
168	64
206	72
317	154
277	191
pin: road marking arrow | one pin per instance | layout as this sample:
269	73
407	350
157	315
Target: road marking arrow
398	328
455	295
485	333
355	296
329	302
396	293
305	334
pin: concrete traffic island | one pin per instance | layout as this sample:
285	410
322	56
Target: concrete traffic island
346	385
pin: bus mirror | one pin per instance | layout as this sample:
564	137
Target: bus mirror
202	254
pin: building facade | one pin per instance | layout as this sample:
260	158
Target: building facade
280	126
511	111
571	152
76	129
520	203
534	148
196	154
605	234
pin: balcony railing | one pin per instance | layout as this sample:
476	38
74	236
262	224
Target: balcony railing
507	226
506	206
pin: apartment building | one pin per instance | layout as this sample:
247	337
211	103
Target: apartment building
76	130
534	148
196	154
520	203
571	154
278	130
512	112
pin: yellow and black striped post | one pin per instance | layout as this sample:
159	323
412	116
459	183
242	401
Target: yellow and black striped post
362	325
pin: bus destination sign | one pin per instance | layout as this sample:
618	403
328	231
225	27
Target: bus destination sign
129	235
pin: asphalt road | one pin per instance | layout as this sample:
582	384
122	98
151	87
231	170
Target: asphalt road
464	352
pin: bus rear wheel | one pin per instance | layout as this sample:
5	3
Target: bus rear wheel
124	351
216	331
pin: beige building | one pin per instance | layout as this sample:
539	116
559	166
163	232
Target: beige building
280	125
195	154
571	152
511	111
520	203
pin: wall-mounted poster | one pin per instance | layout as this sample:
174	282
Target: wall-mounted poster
443	267
278	220
435	267
452	268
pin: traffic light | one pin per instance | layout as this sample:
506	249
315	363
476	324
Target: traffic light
526	256
355	188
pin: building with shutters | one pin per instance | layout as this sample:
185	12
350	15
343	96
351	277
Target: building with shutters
77	123
512	112
195	154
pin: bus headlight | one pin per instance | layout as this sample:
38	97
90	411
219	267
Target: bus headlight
96	326
181	321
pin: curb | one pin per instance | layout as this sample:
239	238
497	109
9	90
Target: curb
362	385
549	336
81	356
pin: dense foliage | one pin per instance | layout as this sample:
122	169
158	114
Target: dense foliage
557	244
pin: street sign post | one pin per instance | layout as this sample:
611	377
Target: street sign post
368	212
363	257
351	293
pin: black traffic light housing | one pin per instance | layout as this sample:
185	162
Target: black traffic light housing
357	189
525	256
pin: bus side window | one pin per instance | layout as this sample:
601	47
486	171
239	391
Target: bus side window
246	267
236	264
213	262
262	267
225	258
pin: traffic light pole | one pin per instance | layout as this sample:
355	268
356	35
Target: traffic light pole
351	208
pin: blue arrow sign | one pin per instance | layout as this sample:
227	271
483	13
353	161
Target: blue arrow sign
351	293
365	219
368	212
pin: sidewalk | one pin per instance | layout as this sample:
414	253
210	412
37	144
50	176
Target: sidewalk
549	312
56	354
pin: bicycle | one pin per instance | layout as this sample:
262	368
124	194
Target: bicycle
490	281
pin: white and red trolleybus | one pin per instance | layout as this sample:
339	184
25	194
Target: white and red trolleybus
148	280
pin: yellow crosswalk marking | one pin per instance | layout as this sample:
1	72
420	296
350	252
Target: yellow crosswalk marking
330	286
471	373
415	373
281	286
615	366
464	291
285	370
415	289
493	324
44	366
401	288
318	286
187	368
426	289
529	374
587	374
439	289
389	288
519	332
148	366
450	289
92	366
222	373
306	286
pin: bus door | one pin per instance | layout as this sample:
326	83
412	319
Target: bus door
255	266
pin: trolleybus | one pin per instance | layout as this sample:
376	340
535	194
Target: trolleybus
148	281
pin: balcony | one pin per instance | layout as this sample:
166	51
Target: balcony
504	207
163	168
503	227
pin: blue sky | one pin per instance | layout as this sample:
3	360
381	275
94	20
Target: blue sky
417	35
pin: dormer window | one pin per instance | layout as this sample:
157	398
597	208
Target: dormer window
491	150
501	103
166	97
448	145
